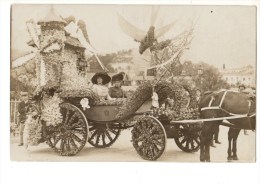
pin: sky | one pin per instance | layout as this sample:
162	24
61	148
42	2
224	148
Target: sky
223	34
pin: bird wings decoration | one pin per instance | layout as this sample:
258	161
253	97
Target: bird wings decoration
161	31
139	34
130	29
154	15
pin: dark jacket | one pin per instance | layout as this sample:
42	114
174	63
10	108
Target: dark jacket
116	92
22	109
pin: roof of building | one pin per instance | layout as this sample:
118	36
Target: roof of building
52	17
73	41
247	70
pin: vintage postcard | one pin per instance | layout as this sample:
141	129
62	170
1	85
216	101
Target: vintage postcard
133	83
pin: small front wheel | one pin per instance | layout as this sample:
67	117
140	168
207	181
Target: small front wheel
188	138
149	138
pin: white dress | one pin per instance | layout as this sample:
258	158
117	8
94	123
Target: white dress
100	90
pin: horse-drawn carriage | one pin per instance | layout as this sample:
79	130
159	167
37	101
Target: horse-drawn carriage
99	122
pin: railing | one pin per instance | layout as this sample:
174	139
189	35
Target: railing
14	116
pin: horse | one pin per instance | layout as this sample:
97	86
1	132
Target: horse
240	112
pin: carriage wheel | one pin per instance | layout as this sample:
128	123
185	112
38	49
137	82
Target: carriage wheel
103	135
188	138
149	138
69	137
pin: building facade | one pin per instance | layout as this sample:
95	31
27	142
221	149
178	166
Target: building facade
235	76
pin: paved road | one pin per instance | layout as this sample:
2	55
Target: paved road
123	150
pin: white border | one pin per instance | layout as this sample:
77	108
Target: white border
123	173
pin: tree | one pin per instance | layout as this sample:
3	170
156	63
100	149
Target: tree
210	79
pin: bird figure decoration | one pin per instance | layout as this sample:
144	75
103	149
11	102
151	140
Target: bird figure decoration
146	39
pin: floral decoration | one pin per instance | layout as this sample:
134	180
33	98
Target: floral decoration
51	110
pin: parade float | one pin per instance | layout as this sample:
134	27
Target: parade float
66	113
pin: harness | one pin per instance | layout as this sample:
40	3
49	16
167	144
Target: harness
219	107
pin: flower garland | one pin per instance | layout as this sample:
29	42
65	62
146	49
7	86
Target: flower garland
117	101
77	95
135	101
167	114
171	90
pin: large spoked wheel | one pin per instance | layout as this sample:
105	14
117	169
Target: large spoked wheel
188	138
69	137
149	138
103	135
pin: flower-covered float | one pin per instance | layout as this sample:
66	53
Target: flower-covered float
69	114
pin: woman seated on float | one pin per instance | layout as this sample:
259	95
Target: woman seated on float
99	81
116	91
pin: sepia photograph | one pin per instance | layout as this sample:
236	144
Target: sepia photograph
133	83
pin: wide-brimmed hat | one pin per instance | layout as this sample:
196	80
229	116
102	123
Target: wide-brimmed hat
118	77
106	78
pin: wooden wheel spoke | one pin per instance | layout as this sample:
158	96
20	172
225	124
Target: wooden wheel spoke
68	145
108	135
62	144
73	117
92	128
103	138
67	116
157	142
197	141
73	143
76	138
113	131
187	144
183	140
156	148
77	131
192	145
97	138
76	125
94	134
56	140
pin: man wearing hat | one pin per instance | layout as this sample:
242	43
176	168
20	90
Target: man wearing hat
22	109
99	80
116	91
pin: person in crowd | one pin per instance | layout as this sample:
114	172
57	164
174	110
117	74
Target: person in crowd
22	110
198	94
241	89
99	87
116	91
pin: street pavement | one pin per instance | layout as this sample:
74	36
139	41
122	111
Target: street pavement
122	150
